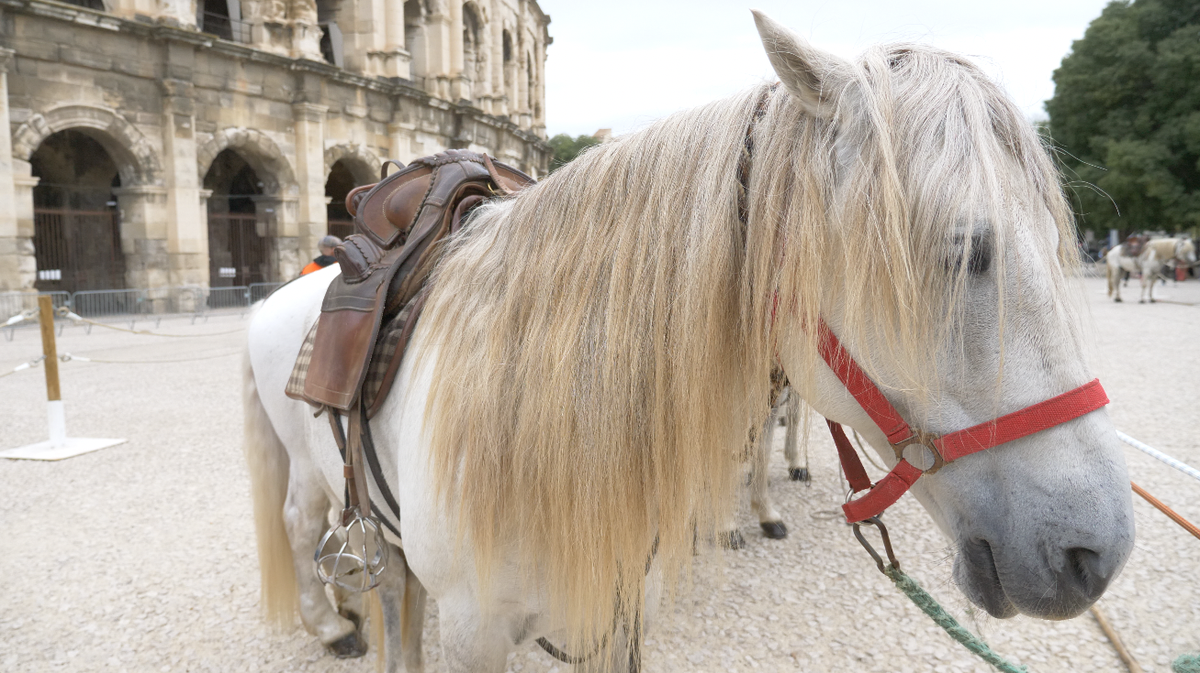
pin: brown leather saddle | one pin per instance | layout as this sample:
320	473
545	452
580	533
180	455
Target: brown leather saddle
400	224
1134	244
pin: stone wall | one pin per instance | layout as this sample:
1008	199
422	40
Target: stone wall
164	100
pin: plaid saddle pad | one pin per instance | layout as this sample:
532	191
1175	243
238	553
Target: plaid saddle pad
386	345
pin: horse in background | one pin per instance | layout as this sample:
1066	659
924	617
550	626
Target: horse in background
1149	260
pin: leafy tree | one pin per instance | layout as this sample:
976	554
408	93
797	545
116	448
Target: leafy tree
1126	115
567	148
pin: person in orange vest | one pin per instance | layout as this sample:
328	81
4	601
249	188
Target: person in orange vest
326	258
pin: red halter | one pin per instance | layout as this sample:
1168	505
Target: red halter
945	448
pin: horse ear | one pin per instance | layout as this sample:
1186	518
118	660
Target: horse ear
814	77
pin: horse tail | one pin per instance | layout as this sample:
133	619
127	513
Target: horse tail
268	462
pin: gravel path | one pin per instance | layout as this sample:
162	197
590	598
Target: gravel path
141	557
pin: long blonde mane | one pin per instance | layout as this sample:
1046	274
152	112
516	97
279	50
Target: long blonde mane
604	341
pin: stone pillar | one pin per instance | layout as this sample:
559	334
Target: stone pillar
438	45
396	58
499	106
277	224
18	268
310	173
187	228
144	228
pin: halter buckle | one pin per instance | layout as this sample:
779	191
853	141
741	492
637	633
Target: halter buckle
928	461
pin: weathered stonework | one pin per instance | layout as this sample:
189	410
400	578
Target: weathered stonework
164	96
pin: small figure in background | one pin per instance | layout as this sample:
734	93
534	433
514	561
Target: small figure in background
326	258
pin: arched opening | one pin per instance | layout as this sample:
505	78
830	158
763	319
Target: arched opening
341	180
331	33
473	56
529	82
77	226
222	18
414	35
509	69
238	247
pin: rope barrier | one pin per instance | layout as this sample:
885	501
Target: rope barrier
1155	453
24	365
1158	504
19	318
75	317
949	624
68	357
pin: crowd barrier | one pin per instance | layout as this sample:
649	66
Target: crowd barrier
132	305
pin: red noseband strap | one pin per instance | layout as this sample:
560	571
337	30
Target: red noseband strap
1054	411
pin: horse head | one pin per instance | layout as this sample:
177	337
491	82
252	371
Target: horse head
1185	251
948	275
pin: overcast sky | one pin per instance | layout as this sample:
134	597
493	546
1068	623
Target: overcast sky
621	64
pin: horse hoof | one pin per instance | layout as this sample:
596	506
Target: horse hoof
1118	300
799	474
349	646
1153	301
1141	301
353	617
732	540
774	529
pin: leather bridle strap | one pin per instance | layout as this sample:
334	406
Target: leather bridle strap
946	448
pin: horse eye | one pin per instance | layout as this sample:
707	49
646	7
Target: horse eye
980	259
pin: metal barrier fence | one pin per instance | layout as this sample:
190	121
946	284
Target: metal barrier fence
12	303
94	303
237	296
142	304
260	291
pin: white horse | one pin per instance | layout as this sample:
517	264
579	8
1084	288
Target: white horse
1156	254
594	350
785	407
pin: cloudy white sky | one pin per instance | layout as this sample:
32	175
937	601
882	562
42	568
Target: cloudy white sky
621	64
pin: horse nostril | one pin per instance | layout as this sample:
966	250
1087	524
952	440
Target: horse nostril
1086	570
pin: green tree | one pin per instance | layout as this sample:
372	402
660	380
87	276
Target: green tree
1126	117
567	148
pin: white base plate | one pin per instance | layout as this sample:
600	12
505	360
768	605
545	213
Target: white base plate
72	447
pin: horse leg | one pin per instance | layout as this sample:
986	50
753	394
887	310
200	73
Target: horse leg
305	515
760	497
791	440
401	606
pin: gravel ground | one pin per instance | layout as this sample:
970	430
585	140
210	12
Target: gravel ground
141	557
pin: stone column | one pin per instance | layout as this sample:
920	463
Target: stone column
497	70
438	46
277	224
187	228
18	268
144	240
310	173
397	57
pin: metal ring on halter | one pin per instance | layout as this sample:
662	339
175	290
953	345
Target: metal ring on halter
929	460
887	543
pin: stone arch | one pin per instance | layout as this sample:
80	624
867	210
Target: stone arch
137	161
263	155
361	161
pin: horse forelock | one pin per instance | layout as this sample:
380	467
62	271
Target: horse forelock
940	162
604	340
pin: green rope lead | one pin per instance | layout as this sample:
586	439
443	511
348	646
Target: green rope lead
943	619
1186	663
